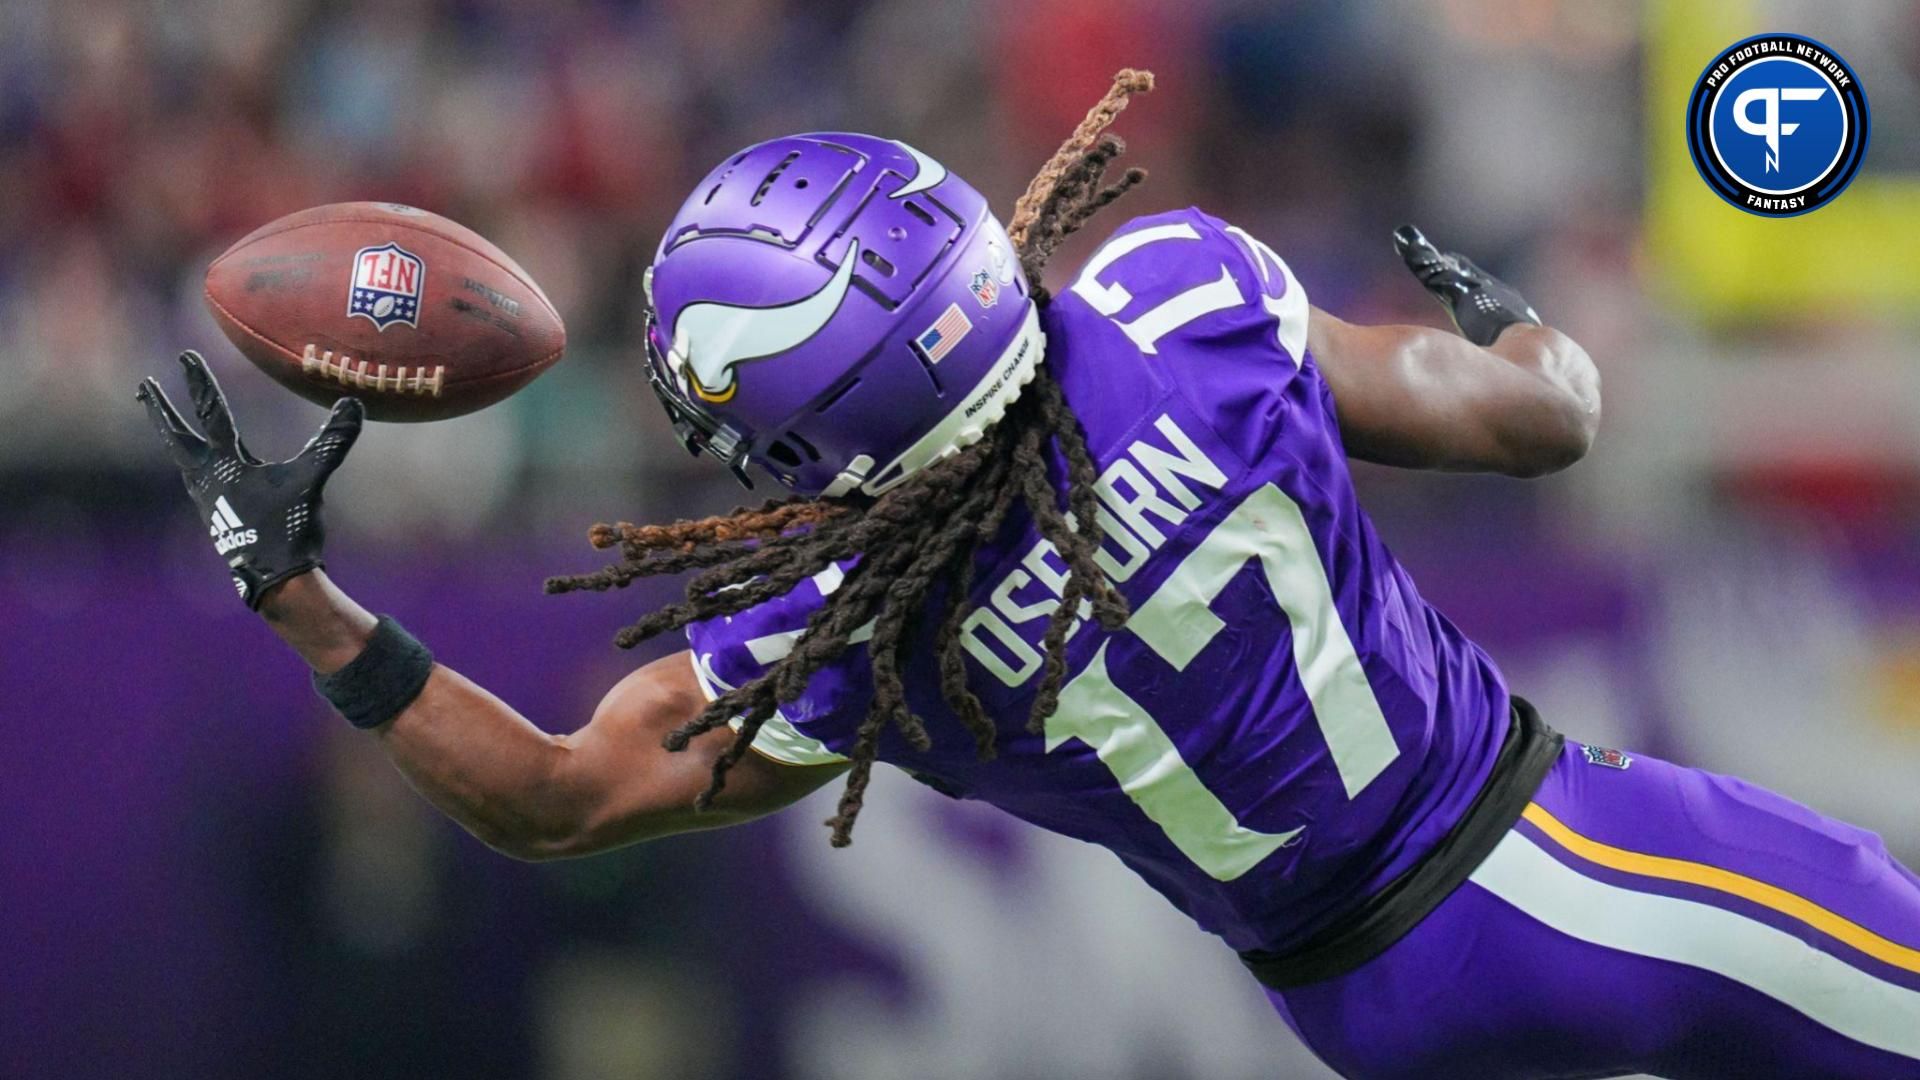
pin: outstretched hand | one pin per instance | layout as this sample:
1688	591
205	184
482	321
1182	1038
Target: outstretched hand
264	517
1481	305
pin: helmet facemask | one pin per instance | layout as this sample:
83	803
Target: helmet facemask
698	430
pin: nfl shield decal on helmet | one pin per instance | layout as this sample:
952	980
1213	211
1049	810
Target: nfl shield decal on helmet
985	289
386	286
1607	756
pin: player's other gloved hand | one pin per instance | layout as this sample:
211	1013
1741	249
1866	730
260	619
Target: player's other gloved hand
264	517
1481	305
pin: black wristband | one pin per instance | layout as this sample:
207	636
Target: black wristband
384	679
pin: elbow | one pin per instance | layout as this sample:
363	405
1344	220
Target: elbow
574	839
548	818
539	850
528	841
570	808
1556	425
1548	458
1539	465
561	825
1563	436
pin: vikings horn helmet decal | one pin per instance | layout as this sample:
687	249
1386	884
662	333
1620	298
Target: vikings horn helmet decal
710	338
929	175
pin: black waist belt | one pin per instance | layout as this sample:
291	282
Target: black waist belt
1530	749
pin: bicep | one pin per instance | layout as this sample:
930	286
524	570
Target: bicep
632	788
1422	398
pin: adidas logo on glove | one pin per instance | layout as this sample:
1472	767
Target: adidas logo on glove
228	531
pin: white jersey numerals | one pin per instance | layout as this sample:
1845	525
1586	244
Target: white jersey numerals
1147	328
1281	294
1151	771
1177	621
1289	309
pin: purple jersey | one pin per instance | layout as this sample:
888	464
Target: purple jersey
1283	725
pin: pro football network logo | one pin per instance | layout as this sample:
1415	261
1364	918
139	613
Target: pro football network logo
1777	125
387	281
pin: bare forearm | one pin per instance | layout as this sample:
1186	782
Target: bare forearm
1506	395
324	625
470	754
484	765
1421	398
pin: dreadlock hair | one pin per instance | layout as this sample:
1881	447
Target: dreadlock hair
922	532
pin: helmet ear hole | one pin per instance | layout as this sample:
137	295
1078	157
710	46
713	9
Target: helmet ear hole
787	450
779	451
805	446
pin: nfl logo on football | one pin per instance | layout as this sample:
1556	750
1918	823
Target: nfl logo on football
387	281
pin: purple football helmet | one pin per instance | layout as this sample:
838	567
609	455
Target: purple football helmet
839	310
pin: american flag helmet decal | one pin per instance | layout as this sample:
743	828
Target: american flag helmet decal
936	341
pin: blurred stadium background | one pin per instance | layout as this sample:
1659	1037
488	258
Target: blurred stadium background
205	874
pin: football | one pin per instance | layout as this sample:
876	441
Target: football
418	316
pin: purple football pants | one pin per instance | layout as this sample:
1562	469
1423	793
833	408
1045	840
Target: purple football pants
1650	919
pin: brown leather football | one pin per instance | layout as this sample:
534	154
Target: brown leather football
419	317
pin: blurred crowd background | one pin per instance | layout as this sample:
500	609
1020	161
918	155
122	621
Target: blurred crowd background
206	874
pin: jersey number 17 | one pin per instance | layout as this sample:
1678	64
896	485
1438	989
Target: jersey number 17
1177	622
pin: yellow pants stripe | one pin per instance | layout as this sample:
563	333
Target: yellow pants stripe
1726	881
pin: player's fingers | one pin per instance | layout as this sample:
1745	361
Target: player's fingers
161	410
1421	257
1414	247
210	405
182	443
330	444
1440	273
1468	267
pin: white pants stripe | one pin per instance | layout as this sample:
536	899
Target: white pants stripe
1822	987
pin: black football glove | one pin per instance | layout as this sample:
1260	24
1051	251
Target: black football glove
1481	305
264	516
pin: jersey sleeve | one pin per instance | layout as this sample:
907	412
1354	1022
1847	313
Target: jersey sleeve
1275	290
1217	313
732	650
1187	280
